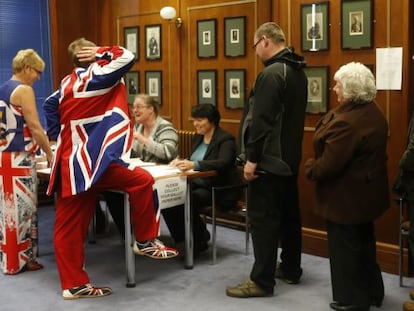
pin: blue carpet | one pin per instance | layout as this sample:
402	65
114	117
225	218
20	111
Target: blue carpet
166	285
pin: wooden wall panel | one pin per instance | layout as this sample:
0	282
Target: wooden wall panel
132	13
69	22
191	62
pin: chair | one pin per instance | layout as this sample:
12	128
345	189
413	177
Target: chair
92	226
237	217
404	226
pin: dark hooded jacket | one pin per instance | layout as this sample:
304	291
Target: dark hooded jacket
272	130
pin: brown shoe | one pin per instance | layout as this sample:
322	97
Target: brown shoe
32	265
412	295
408	306
246	290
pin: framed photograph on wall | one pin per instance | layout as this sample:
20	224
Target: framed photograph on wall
131	40
206	38
207	87
234	36
315	26
132	85
357	24
153	42
318	86
153	85
235	81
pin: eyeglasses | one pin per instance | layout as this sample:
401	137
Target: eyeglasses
37	71
257	42
140	106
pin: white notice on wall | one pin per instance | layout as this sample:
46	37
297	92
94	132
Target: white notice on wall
389	68
171	191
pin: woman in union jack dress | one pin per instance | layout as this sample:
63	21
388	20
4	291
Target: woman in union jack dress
21	133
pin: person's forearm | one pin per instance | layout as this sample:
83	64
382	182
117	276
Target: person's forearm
41	139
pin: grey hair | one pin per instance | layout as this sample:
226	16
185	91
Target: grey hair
357	81
149	101
272	31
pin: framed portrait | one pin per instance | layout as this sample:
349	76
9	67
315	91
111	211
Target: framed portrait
234	36
206	38
318	86
207	86
357	24
131	40
153	42
235	81
315	26
153	85
132	85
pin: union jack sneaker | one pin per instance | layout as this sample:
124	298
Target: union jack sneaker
154	249
86	291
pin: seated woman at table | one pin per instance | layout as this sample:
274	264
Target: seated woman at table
213	149
155	140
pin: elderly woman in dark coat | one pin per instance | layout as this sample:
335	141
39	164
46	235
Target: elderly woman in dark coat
350	172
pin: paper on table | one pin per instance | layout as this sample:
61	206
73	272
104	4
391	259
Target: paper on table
138	162
159	171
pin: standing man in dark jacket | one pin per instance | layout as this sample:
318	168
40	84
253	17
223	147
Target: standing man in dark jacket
272	146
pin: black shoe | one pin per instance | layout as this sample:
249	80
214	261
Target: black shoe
343	307
280	274
376	303
200	248
207	236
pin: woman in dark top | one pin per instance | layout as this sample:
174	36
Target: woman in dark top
213	149
350	172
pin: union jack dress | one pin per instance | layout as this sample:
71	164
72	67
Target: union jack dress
18	186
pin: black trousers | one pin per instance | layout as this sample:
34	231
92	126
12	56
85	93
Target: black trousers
291	230
355	275
266	196
174	218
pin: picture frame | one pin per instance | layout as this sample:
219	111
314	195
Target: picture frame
153	85
357	29
132	85
206	38
318	86
235	86
207	87
153	41
234	36
315	26
131	40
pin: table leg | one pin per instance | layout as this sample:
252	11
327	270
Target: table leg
188	226
129	254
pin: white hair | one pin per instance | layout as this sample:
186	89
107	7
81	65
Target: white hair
357	81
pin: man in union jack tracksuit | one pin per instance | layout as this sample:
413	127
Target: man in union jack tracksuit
88	117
